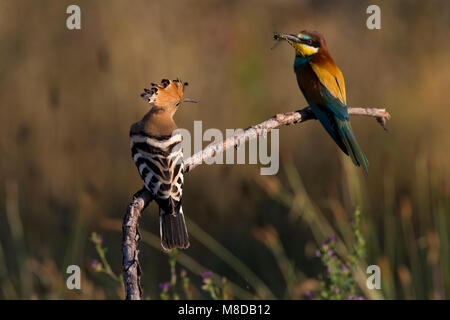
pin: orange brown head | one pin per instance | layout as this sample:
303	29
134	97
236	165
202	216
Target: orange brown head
166	95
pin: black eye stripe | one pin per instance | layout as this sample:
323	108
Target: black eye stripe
311	43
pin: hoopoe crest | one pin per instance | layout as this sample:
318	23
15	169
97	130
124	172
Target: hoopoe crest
167	94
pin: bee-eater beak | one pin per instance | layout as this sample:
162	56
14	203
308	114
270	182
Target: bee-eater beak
287	37
189	100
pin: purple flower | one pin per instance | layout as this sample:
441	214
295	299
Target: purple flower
309	294
95	265
328	270
330	252
356	298
97	238
332	238
318	253
207	275
165	286
344	268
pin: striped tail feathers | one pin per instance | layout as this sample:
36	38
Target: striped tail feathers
173	229
354	150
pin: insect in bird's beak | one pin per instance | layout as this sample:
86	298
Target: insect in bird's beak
288	37
189	100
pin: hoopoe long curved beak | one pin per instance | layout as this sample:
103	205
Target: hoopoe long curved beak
189	100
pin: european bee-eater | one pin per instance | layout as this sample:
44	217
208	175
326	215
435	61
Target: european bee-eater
323	86
156	151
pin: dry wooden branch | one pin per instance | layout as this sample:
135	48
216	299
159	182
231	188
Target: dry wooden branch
130	238
131	267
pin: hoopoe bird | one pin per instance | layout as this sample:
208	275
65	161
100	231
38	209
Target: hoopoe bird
156	151
322	84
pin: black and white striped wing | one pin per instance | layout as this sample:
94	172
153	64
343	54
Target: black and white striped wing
160	164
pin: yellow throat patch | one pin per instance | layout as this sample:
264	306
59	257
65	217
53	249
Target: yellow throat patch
304	50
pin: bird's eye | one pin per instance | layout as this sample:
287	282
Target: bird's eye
308	42
177	104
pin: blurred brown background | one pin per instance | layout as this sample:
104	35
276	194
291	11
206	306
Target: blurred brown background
68	98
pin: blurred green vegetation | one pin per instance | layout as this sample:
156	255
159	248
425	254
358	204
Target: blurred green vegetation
68	98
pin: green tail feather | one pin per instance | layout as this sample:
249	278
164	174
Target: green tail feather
354	150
